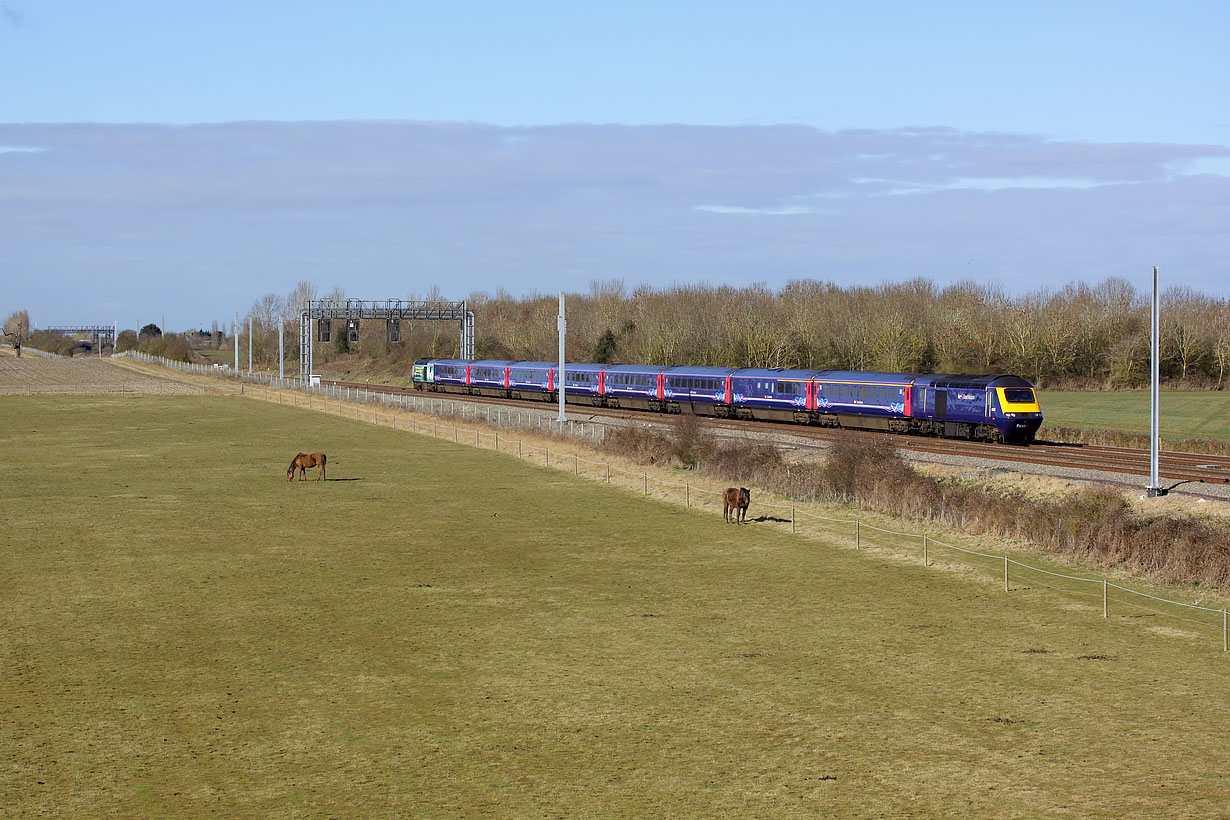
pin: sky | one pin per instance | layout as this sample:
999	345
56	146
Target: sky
184	159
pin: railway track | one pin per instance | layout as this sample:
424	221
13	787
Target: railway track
1173	468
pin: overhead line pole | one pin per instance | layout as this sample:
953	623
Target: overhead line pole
1155	488
561	325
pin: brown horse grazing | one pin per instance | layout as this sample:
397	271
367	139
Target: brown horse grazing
734	504
302	462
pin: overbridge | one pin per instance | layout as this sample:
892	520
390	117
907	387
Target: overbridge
323	312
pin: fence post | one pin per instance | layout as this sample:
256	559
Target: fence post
1105	600
548	449
792	518
497	439
926	561
646	483
608	473
687	494
1225	641
858	534
1005	573
576	465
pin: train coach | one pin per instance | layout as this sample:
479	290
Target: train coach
999	408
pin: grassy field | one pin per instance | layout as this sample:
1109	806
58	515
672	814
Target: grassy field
439	631
1185	414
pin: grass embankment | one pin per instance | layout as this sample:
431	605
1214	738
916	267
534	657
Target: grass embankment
442	631
1199	417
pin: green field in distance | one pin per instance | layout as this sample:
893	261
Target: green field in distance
1195	414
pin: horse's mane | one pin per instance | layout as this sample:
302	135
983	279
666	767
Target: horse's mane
292	463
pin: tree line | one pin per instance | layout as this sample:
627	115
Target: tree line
1081	335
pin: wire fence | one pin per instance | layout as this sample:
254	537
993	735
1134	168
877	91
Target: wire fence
445	415
34	351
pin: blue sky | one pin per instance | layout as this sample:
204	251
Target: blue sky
186	158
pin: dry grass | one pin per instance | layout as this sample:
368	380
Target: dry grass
1083	523
447	632
32	375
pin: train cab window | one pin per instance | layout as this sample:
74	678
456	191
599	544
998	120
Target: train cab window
1019	395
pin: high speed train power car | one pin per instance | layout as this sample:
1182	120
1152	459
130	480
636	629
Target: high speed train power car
990	408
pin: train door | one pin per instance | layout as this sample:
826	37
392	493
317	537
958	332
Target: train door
905	404
467	374
941	404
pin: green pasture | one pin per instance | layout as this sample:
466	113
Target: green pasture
444	632
1184	414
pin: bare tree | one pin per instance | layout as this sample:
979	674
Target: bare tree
17	329
1184	343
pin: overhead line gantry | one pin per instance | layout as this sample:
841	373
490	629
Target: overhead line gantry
324	311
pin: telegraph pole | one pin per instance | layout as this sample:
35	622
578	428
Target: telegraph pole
1155	488
235	335
249	343
281	355
562	325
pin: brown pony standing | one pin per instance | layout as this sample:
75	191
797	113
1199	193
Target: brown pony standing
302	462
734	504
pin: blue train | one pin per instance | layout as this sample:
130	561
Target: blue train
989	408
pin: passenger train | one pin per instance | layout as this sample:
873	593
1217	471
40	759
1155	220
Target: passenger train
989	408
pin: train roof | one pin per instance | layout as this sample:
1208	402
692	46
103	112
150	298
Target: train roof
684	370
971	381
633	368
786	374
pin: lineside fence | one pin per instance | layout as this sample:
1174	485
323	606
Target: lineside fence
930	551
34	351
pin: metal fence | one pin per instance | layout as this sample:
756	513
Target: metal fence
1114	598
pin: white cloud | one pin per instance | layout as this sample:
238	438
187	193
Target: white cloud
144	212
